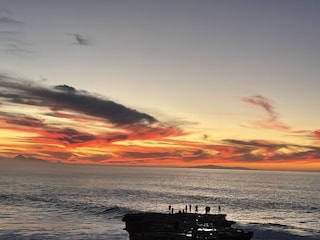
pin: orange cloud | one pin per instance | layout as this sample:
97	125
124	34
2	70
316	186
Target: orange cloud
64	124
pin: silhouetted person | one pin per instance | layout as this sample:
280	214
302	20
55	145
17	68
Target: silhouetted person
169	208
172	210
219	209
186	208
196	208
207	209
190	208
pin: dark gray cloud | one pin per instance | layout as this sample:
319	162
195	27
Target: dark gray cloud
81	40
72	136
24	92
65	88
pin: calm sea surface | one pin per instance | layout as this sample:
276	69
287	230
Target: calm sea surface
68	202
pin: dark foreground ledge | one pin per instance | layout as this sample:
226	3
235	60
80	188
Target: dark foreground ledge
182	226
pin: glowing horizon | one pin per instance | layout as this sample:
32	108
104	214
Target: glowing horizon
67	125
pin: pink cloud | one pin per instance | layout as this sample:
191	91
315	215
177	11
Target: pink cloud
272	121
316	133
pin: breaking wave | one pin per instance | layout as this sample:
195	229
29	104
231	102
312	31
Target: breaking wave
47	202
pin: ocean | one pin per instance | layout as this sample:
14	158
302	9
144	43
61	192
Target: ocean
88	202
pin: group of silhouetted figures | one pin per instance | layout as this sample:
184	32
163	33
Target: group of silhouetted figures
188	209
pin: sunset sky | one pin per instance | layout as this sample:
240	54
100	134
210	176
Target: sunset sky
162	83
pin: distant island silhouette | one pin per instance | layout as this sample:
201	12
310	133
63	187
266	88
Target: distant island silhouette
22	161
23	158
220	167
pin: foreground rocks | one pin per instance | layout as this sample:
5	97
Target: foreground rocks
182	226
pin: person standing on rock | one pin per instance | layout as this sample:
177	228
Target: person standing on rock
207	209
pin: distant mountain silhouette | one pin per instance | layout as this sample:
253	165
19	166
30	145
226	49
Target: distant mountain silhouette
27	159
221	167
21	161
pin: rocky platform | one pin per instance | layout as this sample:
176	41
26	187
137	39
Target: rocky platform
182	226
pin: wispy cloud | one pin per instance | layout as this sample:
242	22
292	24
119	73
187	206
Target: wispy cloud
272	120
15	43
9	20
81	40
7	17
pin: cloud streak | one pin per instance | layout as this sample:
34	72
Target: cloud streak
15	43
259	151
272	121
81	40
9	20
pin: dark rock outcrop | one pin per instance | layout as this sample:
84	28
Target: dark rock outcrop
182	226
